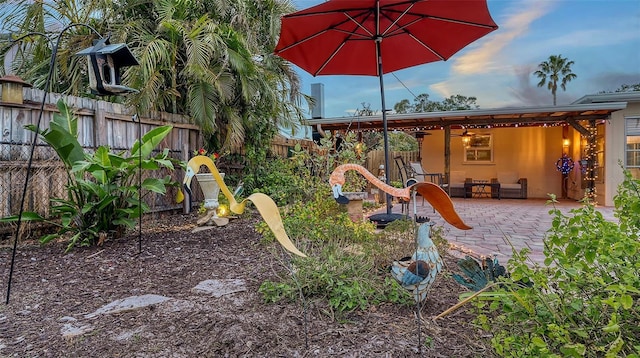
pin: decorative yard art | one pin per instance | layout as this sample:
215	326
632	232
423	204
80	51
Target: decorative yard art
418	272
434	194
265	205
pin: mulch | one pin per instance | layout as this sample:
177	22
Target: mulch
52	292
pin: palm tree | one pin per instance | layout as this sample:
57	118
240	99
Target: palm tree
39	24
209	59
549	72
213	60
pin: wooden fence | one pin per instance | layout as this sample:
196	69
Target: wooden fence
375	158
282	146
99	123
104	123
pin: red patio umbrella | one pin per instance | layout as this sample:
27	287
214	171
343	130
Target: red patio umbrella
374	37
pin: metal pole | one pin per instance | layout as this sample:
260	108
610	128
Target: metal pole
52	62
384	124
186	203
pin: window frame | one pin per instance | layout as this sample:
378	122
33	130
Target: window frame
478	143
632	153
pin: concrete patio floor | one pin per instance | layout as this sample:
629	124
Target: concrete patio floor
498	224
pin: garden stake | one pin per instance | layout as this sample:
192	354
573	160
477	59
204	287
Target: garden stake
415	242
135	118
52	62
304	305
463	302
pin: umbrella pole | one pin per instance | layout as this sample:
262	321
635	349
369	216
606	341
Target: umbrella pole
384	126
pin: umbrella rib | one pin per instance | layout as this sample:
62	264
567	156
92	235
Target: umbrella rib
358	24
350	33
334	28
446	19
363	37
326	62
426	46
302	41
461	22
329	12
401	29
394	22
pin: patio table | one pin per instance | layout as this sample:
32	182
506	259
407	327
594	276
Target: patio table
481	191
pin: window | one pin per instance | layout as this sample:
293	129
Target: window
479	150
632	148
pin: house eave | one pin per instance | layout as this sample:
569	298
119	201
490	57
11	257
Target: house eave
516	116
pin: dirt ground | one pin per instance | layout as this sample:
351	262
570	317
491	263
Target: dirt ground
55	301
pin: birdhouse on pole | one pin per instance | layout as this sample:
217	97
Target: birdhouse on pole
105	62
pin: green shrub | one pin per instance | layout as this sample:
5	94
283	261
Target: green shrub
319	219
348	262
103	198
585	300
285	182
298	178
341	273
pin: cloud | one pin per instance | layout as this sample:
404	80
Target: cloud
484	71
482	59
611	81
528	94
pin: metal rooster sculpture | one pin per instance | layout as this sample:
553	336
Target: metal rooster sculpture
434	194
265	205
418	272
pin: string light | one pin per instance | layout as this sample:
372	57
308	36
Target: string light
589	163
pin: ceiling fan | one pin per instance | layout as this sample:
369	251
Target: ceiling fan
466	137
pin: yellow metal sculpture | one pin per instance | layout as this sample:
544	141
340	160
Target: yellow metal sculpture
434	194
265	205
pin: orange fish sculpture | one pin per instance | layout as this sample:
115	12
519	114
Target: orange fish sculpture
434	194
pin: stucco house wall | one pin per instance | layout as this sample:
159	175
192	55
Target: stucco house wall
615	140
534	151
530	151
615	149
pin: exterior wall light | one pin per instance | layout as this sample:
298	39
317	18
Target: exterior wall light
12	89
466	138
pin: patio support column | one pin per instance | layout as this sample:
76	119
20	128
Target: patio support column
591	161
565	150
447	156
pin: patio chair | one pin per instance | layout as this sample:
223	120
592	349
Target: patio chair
421	175
456	185
404	172
508	185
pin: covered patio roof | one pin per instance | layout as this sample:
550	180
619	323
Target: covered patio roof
501	117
